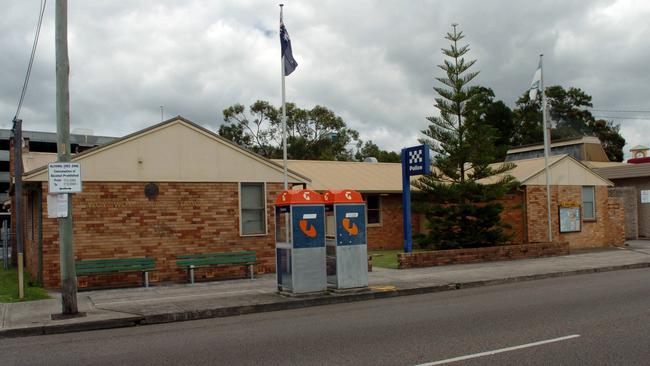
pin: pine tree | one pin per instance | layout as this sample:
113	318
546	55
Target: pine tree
459	196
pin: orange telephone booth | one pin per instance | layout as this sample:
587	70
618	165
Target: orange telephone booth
300	242
347	250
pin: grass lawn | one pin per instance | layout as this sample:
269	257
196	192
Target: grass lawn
386	258
9	287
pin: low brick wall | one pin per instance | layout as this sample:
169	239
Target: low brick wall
475	255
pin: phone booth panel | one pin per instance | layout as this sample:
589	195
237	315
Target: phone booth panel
347	253
300	242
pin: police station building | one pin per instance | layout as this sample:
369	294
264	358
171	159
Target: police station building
177	188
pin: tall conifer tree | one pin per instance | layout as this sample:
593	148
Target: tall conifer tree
459	196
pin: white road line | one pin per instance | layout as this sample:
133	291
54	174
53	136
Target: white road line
488	353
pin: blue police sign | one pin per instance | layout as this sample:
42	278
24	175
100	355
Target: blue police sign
415	161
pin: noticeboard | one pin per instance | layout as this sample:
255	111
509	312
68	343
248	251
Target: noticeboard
569	219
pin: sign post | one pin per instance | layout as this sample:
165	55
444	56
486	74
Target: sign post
415	161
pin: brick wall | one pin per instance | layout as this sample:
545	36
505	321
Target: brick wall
389	234
116	220
514	215
594	233
643	209
474	255
617	227
631	214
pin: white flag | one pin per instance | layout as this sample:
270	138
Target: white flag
537	80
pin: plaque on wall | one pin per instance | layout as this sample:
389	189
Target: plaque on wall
569	219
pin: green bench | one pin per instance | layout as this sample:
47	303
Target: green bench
192	261
111	266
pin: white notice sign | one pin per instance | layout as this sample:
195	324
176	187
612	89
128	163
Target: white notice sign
64	177
57	205
645	196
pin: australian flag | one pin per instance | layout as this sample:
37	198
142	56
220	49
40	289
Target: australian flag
289	63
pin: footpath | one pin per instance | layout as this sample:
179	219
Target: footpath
179	302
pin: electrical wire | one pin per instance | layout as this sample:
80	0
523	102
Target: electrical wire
612	117
31	58
620	110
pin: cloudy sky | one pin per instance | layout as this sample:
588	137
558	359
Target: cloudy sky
372	62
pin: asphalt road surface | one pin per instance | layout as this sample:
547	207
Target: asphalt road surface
597	319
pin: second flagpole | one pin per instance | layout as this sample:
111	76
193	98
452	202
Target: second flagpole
284	116
547	150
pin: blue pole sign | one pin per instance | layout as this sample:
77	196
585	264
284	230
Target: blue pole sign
415	161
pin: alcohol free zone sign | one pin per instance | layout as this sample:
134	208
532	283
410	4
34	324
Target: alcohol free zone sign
64	177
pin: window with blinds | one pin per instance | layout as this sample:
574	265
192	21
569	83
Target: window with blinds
252	209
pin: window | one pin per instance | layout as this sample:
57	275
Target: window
373	208
588	203
252	209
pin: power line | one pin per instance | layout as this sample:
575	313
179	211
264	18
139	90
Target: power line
31	58
612	117
621	110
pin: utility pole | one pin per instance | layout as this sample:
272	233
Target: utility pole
68	275
18	199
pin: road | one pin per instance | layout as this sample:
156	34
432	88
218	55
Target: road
597	319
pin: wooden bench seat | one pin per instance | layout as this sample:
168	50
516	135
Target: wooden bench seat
192	261
112	266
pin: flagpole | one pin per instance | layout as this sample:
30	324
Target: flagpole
547	150
284	117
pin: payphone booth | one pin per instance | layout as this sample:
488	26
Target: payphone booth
300	242
347	251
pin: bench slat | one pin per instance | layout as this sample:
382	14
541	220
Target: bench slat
91	266
218	255
210	259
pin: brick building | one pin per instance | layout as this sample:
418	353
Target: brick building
600	218
632	184
174	188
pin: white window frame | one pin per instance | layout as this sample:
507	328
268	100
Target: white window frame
381	218
266	213
584	217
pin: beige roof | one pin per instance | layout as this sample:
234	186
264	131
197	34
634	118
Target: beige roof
533	147
590	146
387	177
360	176
564	169
602	164
623	170
176	150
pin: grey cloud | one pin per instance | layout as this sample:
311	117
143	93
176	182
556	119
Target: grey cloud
372	62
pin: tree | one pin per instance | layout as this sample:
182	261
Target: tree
317	133
370	149
569	117
610	137
458	197
483	109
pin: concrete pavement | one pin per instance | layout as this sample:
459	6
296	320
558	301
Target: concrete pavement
161	304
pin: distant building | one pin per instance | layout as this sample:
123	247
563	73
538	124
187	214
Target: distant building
36	141
587	148
632	183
